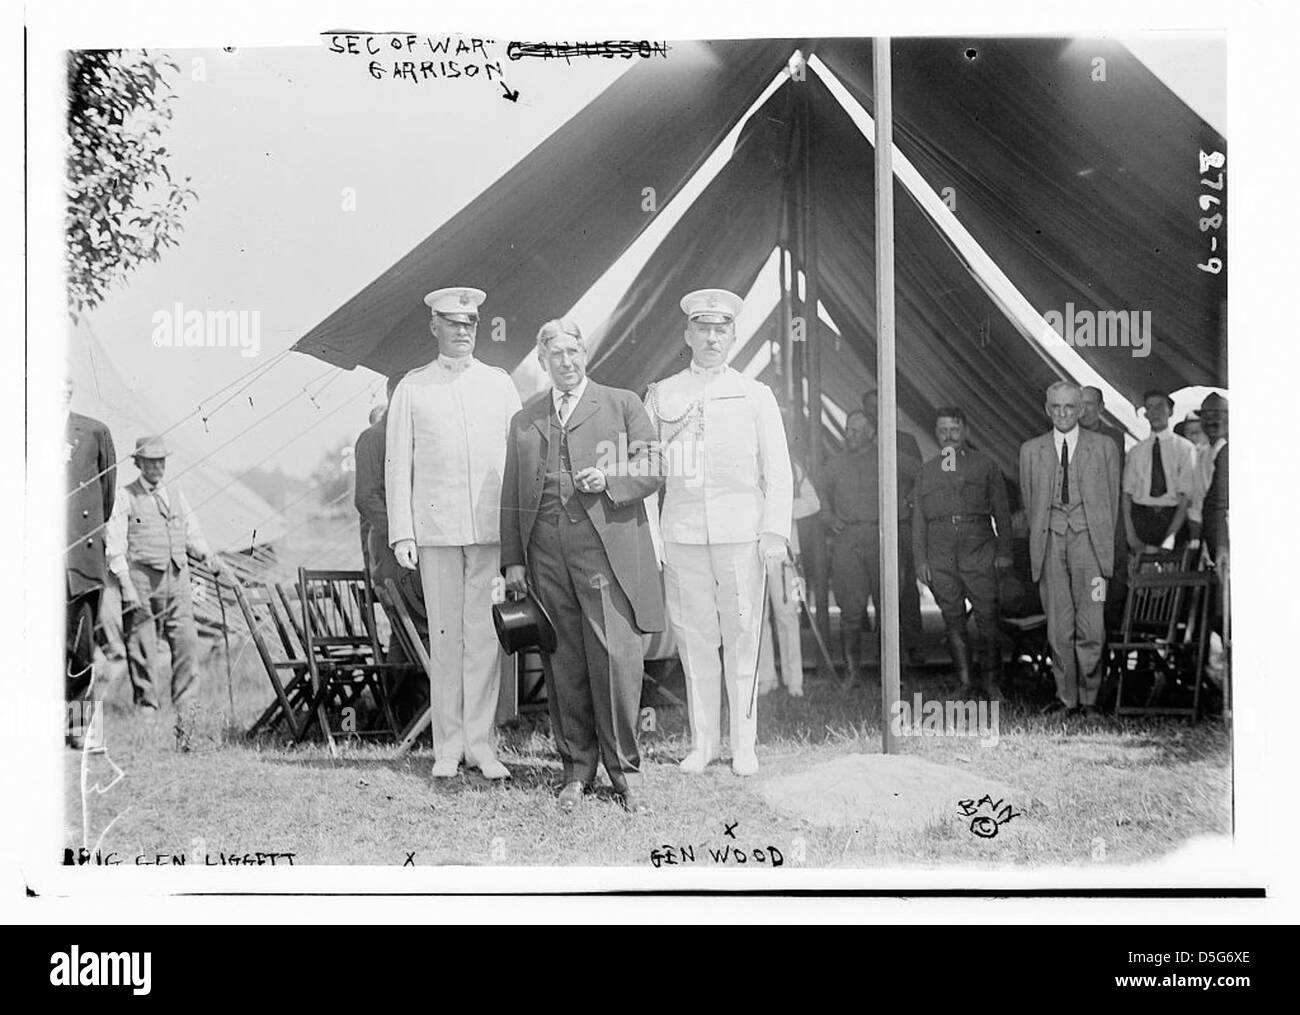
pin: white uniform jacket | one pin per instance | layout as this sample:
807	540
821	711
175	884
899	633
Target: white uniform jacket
446	453
726	457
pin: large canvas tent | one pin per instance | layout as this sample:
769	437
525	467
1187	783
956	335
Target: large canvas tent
233	517
1080	188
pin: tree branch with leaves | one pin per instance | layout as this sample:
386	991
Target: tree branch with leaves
123	206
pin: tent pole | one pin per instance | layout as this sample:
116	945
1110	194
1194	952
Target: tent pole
785	329
787	343
812	323
887	424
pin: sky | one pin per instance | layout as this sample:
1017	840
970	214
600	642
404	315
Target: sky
272	139
313	178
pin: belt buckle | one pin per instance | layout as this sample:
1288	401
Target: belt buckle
956	519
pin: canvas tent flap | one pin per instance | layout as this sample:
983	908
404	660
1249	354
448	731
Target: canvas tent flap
952	345
542	234
1084	191
722	242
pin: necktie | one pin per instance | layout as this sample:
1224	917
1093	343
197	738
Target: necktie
1158	482
565	399
1065	471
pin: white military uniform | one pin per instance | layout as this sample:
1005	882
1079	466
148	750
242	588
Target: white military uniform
729	481
446	452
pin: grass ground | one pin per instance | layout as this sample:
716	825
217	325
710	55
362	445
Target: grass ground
1103	791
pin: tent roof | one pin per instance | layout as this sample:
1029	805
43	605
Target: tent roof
1083	191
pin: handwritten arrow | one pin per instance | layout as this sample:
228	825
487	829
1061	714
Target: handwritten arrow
512	96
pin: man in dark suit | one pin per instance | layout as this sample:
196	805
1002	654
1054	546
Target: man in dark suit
1214	414
1069	484
1090	418
580	461
92	487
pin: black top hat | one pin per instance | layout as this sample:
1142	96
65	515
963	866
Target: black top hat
524	623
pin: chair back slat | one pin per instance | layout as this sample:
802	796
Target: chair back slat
344	657
258	605
1165	631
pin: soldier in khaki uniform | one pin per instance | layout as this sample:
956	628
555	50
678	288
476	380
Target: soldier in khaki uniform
961	499
727	509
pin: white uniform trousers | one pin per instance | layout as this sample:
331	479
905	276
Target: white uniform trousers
712	596
463	648
784	614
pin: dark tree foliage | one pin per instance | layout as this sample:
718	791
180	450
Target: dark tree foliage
123	206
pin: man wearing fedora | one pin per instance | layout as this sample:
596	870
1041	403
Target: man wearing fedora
445	455
147	538
579	465
722	520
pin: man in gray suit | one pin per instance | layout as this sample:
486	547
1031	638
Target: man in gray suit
580	461
1069	484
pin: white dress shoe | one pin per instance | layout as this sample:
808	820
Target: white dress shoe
745	763
446	768
491	768
795	691
697	761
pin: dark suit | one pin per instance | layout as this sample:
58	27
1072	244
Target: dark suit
371	504
1072	551
1117	590
92	487
1214	509
591	563
409	697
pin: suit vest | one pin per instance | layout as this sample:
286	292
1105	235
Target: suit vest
558	492
1067	516
153	538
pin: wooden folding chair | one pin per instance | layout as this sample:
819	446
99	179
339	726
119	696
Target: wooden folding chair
281	657
292	610
1164	637
1030	649
412	646
343	655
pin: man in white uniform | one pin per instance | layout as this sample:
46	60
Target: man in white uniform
722	518
446	453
